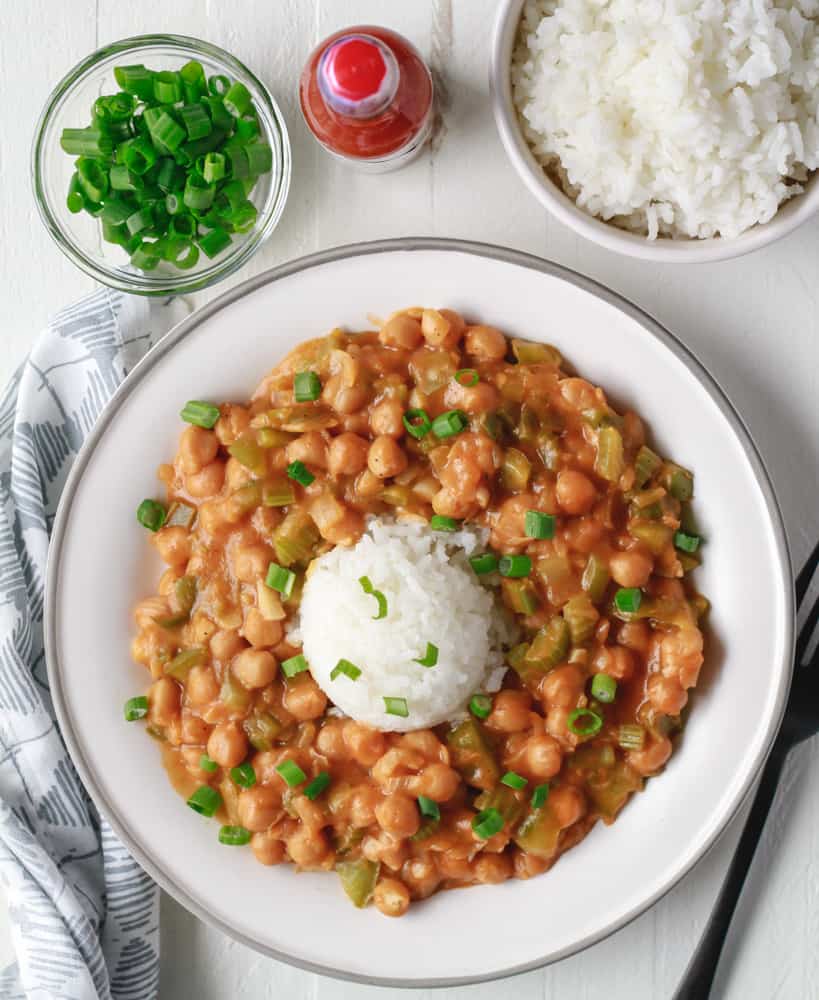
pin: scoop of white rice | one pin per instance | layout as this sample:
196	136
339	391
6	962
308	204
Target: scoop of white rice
432	596
689	118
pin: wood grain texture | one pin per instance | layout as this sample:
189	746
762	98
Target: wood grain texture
753	322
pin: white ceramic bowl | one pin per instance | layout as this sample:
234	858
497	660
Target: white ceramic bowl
663	250
100	564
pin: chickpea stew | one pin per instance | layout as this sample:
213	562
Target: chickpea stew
590	542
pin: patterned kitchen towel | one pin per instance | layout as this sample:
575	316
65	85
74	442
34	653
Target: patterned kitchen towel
84	916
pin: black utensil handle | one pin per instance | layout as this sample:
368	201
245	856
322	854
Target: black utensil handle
699	975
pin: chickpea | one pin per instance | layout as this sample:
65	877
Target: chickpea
635	636
568	805
575	492
631	568
398	815
207	482
365	745
267	849
197	448
386	458
308	848
652	758
681	653
233	422
202	686
261	632
421	876
163	702
666	694
250	562
225	644
330	739
310	448
491	869
310	813
259	807
236	475
438	782
391	897
510	712
543	756
562	686
344	399
435	327
362	806
528	865
485	343
255	668
228	744
347	455
173	544
387	418
478	398
401	331
305	700
368	485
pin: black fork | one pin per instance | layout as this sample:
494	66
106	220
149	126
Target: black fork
800	722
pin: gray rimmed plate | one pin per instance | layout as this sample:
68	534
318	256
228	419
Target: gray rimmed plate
100	565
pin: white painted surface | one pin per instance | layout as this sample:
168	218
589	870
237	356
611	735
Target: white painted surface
753	322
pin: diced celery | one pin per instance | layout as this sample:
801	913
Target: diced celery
581	617
295	539
609	462
539	833
551	644
278	491
645	465
653	534
678	481
528	424
529	353
234	696
631	737
358	879
184	661
515	470
269	603
261	729
595	578
508	803
247	451
181	514
269	437
246	498
548	448
520	596
302	417
472	754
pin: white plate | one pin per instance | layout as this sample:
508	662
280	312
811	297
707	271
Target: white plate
100	564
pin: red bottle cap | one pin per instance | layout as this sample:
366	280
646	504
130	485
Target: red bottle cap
358	76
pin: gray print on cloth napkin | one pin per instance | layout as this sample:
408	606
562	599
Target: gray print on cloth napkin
84	916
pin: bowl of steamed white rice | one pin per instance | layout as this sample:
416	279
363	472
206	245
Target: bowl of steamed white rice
679	131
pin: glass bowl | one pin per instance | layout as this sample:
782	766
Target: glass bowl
80	236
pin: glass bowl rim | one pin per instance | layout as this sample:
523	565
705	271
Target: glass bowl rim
116	277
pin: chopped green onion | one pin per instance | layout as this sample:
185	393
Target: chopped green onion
513	780
631	737
166	132
368	588
299	471
345	667
205	800
196	121
514	566
628	599
123	179
167	87
280	579
247	127
75	201
396	706
467	377
480	705
218	85
259	157
291	773
487	823
429	807
93	180
430	657
306	387
202	414
686	542
538	525
86	142
136	708
214	243
213	167
207	764
317	786
239	163
417	423
192	76
604	688
439	523
237	99
295	665
136	80
199	195
244	776
450	423
138	155
147	255
234	836
151	515
584	722
539	795
484	563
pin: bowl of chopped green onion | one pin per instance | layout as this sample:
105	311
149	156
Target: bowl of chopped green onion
160	164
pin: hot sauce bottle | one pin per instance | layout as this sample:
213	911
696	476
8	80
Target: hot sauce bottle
366	95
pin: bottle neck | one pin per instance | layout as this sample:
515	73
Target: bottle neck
358	76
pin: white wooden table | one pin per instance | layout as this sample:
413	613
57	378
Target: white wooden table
753	322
